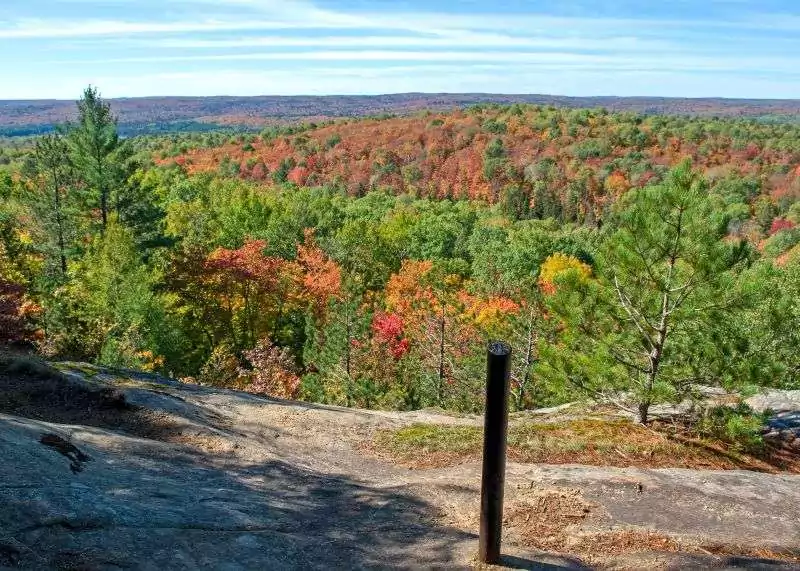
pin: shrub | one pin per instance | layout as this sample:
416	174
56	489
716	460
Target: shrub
272	372
221	369
780	224
739	426
781	242
557	264
26	365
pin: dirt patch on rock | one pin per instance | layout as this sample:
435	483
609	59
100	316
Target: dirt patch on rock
544	518
33	389
596	442
560	520
205	442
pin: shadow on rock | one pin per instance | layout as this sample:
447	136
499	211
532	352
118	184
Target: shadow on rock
131	510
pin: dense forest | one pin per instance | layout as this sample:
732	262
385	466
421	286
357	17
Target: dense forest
153	115
632	258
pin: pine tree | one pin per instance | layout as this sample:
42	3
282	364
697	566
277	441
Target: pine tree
94	141
52	199
664	285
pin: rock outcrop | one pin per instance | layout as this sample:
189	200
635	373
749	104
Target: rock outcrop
142	472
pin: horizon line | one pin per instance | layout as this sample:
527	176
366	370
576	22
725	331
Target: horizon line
408	93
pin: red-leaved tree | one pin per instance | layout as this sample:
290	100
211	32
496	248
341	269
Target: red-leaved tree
388	332
12	323
780	224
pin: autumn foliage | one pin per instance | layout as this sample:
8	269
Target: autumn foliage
272	371
12	314
388	331
368	262
780	224
322	277
17	310
557	264
482	153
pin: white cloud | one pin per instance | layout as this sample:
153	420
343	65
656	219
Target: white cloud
305	48
302	15
466	41
41	28
607	62
86	28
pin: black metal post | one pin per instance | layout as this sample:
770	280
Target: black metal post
495	429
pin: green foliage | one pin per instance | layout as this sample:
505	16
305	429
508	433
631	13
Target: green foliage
331	350
665	278
94	140
170	266
281	174
495	162
222	367
364	252
54	202
421	439
495	127
496	149
738	426
781	242
126	321
761	345
591	149
332	141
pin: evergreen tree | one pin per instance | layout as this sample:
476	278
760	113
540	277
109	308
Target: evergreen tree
332	347
52	200
94	140
120	318
665	284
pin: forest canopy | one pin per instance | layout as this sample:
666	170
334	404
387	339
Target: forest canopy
366	263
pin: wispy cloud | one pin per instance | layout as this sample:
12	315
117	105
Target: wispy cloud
467	41
610	62
82	29
305	46
426	23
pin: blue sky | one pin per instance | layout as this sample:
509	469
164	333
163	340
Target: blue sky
692	48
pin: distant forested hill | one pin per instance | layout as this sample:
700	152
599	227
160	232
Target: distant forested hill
539	162
156	114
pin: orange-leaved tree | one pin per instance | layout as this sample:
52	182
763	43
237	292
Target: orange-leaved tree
427	298
255	290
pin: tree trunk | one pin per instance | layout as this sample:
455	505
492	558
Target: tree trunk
62	248
279	317
63	257
102	188
440	389
528	364
104	208
348	354
59	223
644	409
348	334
